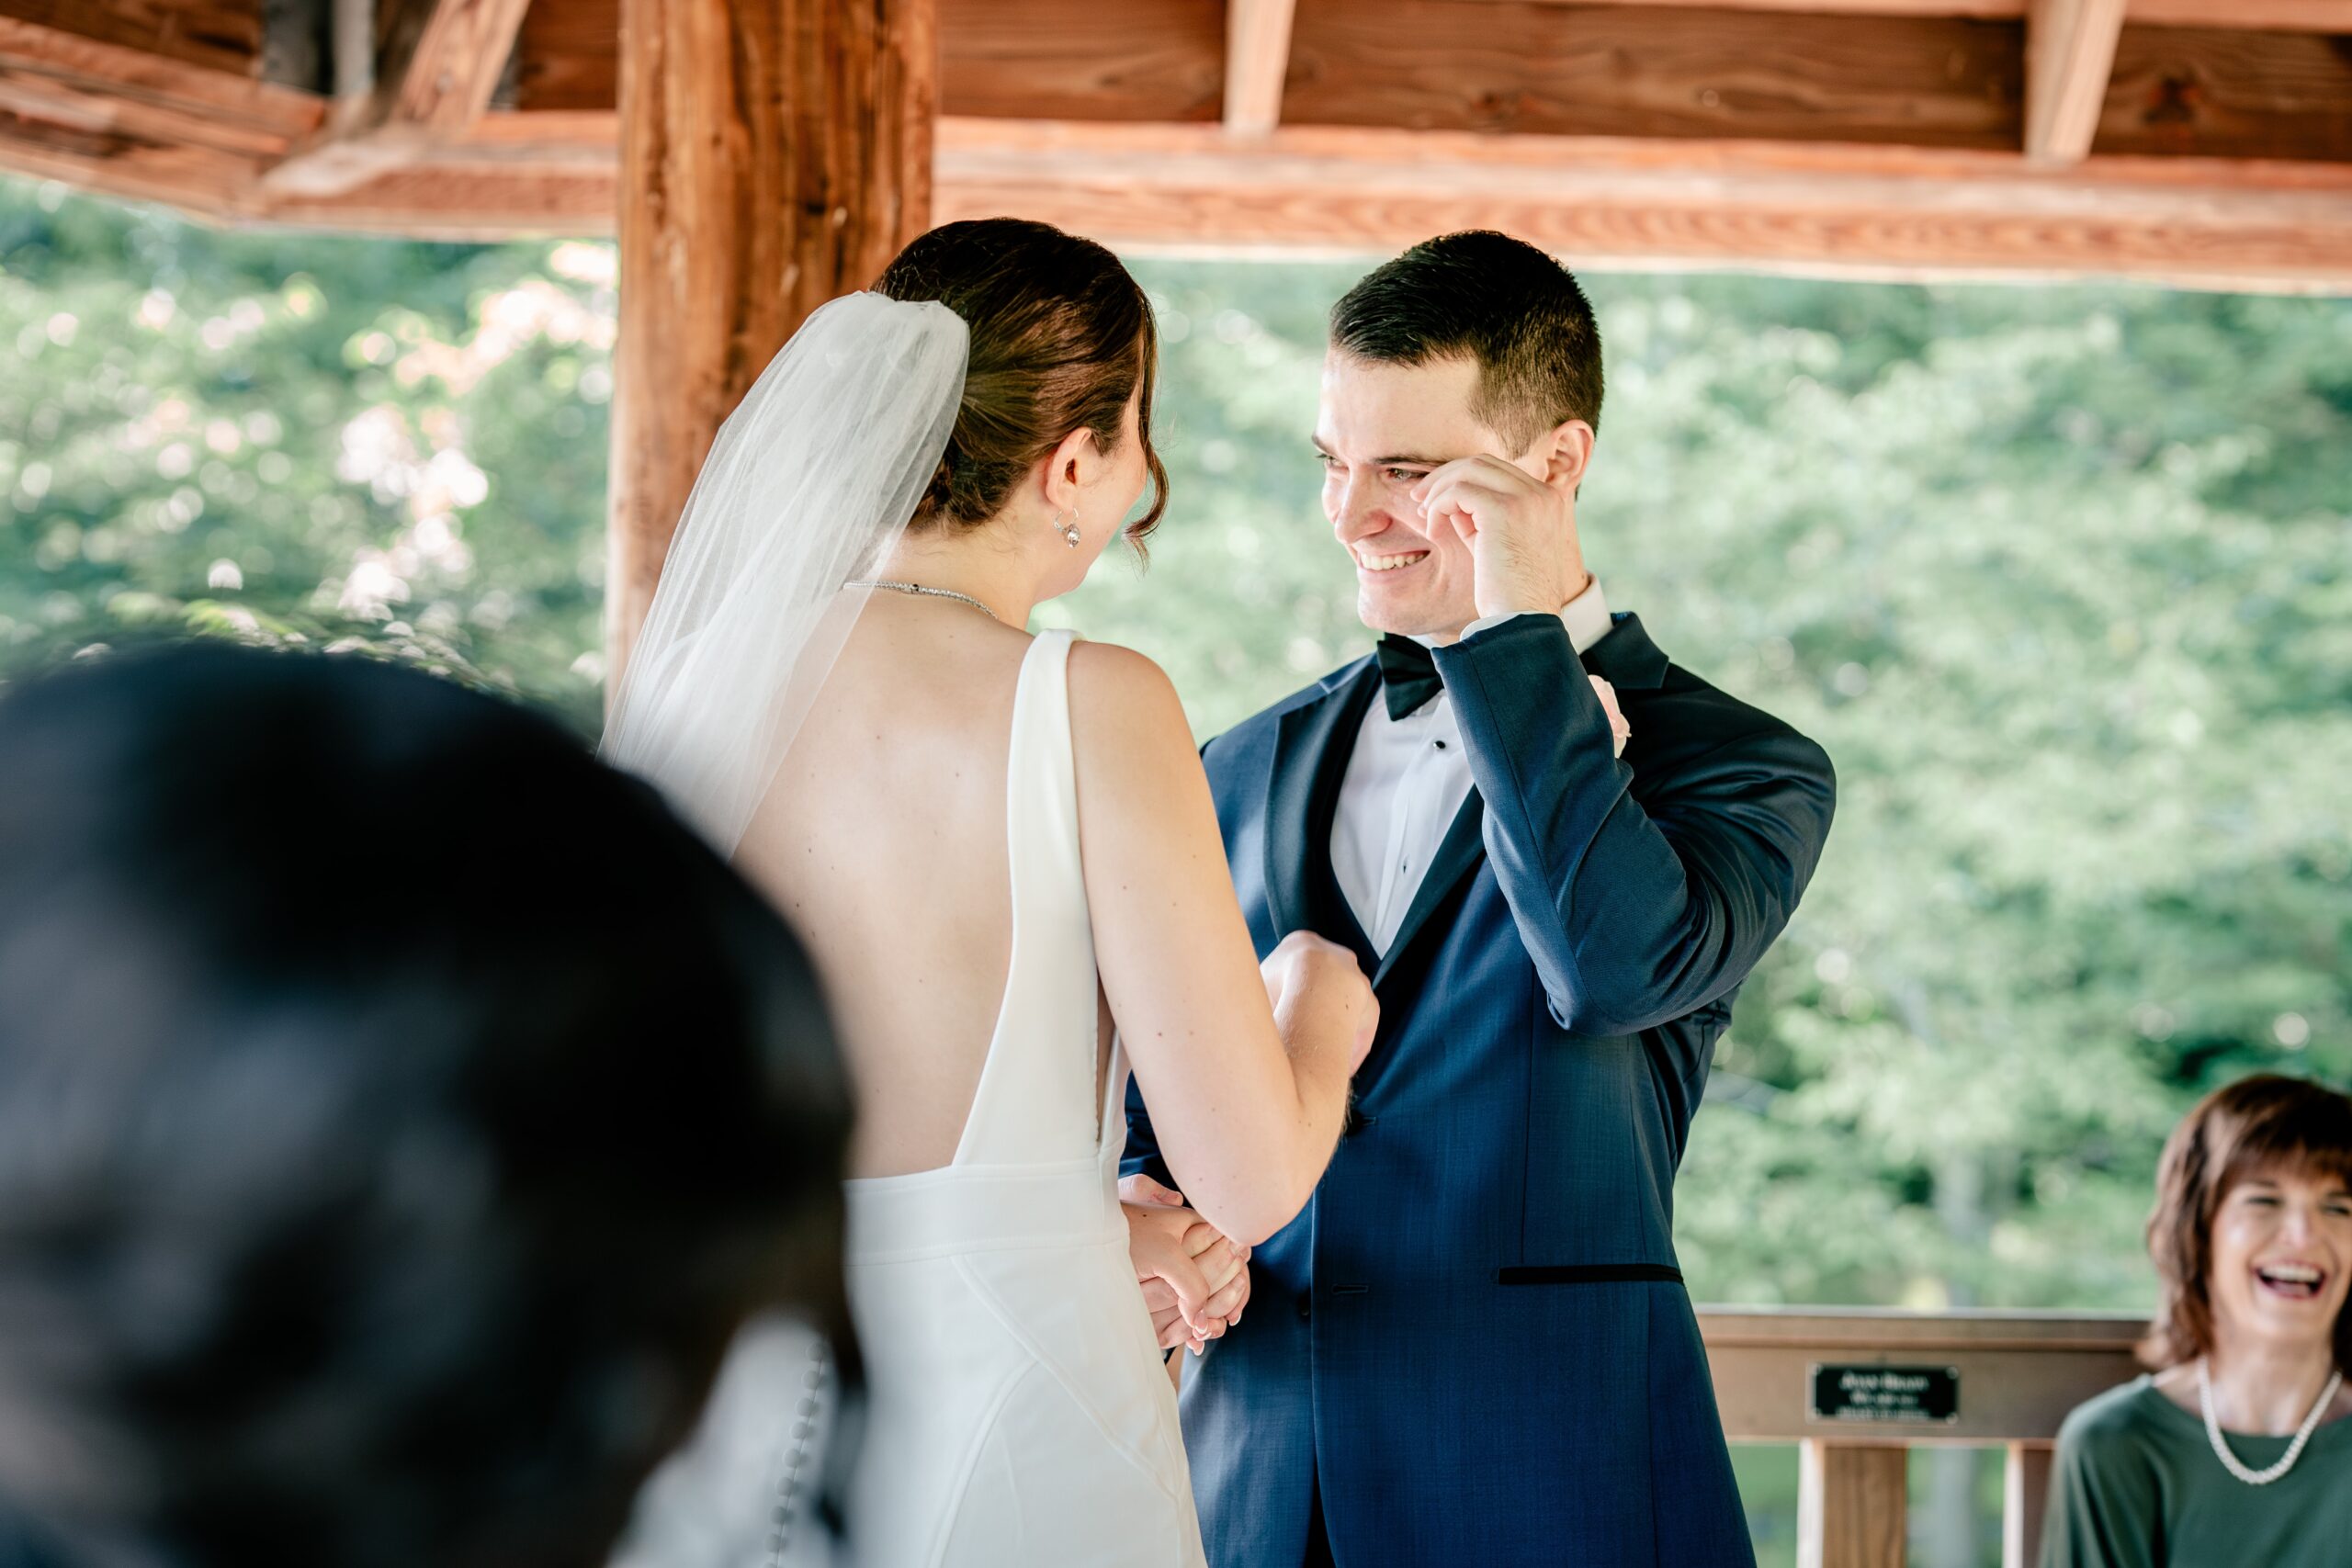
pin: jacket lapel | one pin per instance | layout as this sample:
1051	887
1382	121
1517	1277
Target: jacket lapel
1626	658
1312	744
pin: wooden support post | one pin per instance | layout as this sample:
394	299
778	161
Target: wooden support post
1851	1504
1257	58
2025	1491
2070	49
775	154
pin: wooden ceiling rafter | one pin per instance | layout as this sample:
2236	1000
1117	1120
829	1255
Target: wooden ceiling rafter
1848	211
81	85
2069	57
2251	15
438	65
2194	141
1256	63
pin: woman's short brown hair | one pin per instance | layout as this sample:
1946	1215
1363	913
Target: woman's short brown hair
2257	1125
1062	337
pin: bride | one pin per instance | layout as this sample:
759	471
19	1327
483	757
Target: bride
1001	850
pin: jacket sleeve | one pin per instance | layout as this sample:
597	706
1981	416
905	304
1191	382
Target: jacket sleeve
1636	911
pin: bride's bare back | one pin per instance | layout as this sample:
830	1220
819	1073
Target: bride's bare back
884	841
885	836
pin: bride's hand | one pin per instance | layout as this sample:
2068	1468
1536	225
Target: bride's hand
1195	1281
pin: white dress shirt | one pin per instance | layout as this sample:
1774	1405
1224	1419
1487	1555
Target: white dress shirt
1405	783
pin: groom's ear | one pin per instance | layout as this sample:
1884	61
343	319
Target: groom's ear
1565	453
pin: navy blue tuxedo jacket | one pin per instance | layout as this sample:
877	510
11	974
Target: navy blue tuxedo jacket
1473	1341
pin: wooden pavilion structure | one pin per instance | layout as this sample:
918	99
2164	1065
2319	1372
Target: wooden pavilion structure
757	157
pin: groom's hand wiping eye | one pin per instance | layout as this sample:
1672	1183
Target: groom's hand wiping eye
1521	533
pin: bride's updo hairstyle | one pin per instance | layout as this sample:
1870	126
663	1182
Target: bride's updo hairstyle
1061	337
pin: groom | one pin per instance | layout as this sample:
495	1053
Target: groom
1474	1345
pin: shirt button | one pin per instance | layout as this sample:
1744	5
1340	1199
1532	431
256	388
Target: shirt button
1306	1306
1439	744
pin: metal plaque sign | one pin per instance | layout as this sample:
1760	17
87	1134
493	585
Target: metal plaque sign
1885	1393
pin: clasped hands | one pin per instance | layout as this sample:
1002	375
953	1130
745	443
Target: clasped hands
1195	1281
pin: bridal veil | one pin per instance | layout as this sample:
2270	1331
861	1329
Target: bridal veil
808	488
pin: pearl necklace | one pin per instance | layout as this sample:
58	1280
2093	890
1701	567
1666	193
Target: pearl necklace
926	593
2236	1466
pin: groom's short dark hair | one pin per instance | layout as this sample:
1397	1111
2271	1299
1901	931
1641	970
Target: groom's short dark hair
1485	296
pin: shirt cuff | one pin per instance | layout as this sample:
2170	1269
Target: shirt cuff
1586	616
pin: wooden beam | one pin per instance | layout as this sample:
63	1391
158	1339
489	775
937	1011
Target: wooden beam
462	197
1050	60
2069	50
2218	92
203	181
438	65
1043	59
775	153
1851	1505
225	35
1864	211
85	85
2272	15
1257	58
2280	16
1980	10
1524	67
1820	209
455	50
566	57
1165	60
1814	207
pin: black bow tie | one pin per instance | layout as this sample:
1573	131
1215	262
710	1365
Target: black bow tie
1408	673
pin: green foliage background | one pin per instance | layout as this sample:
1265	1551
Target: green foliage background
2061	576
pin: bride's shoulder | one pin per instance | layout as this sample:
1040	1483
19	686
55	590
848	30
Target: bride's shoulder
1125	715
1105	674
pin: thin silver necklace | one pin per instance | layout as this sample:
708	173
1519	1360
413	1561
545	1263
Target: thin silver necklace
926	593
2236	1466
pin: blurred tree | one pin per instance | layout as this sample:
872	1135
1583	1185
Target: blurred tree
2062	577
284	435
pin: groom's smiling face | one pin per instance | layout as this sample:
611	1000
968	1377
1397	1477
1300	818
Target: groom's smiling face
1380	430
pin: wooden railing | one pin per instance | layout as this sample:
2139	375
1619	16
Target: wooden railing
2011	1376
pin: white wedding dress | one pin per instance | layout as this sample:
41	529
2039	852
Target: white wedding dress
1020	1415
1018	1412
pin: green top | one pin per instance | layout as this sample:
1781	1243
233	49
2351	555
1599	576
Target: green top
2137	1485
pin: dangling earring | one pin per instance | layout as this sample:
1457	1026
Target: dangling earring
1069	531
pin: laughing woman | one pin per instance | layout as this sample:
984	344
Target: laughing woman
2236	1450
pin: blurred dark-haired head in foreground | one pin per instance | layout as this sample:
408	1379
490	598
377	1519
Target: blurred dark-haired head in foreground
399	1111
